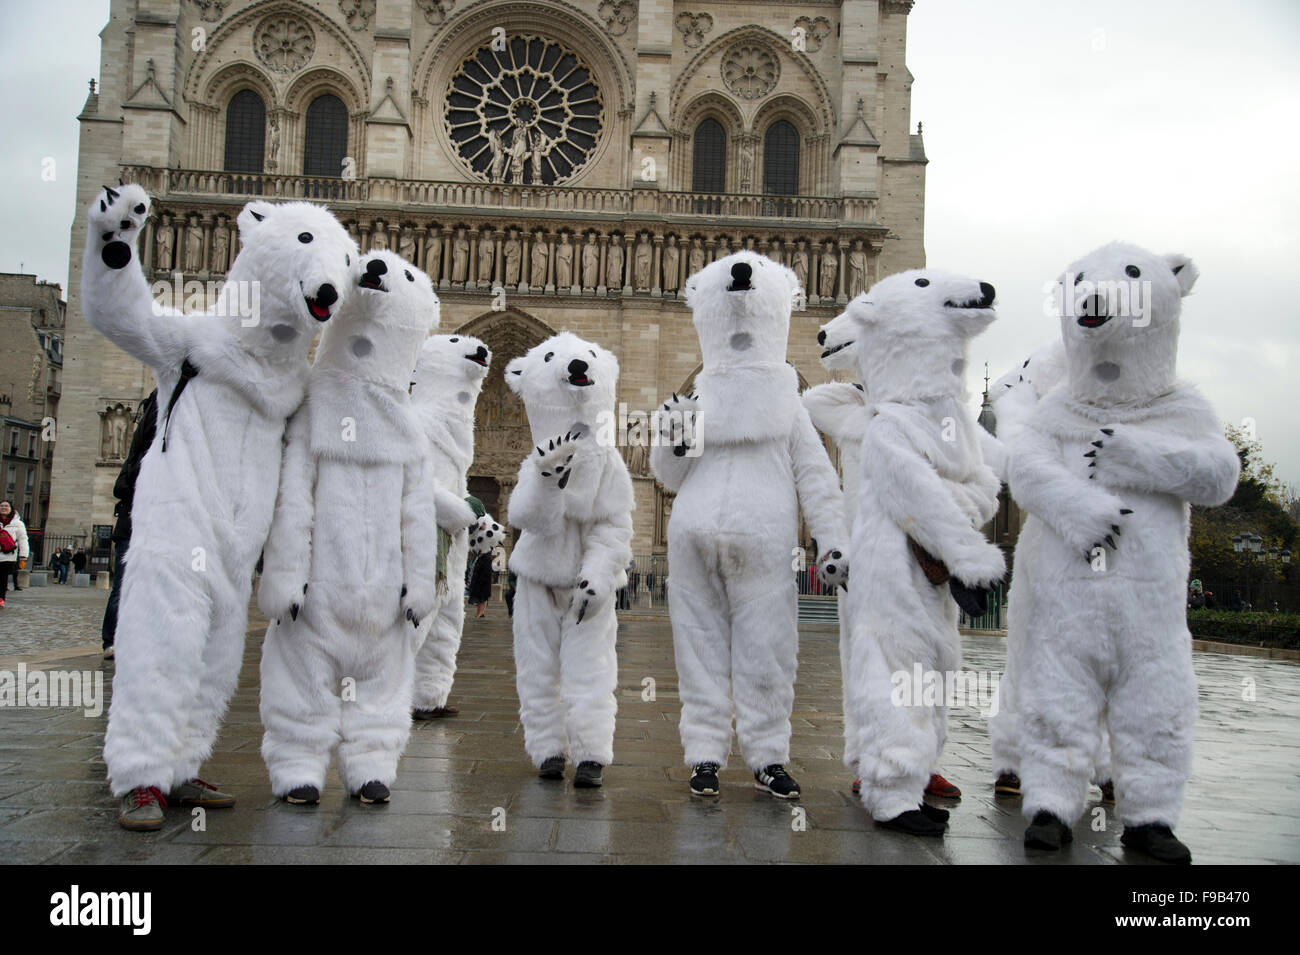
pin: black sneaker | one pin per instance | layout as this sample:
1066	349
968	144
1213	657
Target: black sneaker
1007	784
1047	832
302	796
552	768
704	779
914	822
373	792
1157	841
1107	791
775	780
933	813
587	775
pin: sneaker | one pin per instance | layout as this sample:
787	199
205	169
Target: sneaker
775	780
109	652
857	787
588	775
704	779
373	792
1007	784
437	713
939	786
1047	832
914	822
1107	791
933	813
142	809
552	768
1157	841
302	796
198	793
2	601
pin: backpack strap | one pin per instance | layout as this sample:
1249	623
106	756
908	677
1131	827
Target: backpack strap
188	371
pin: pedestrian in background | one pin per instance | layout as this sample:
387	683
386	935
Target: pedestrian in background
13	546
65	561
79	560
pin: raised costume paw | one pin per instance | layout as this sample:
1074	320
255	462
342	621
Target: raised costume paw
554	461
979	565
833	567
588	596
677	422
116	218
1115	455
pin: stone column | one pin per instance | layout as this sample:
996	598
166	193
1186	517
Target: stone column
814	273
206	270
842	280
446	257
601	289
500	237
655	288
628	265
420	233
683	265
525	261
550	262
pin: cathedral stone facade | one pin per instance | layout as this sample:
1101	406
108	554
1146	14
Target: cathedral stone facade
551	164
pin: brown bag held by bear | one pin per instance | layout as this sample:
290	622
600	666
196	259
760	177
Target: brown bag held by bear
934	569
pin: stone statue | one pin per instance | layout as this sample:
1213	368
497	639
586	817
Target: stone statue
637	451
459	256
671	259
541	253
776	253
643	259
857	269
564	262
696	260
406	244
800	264
590	262
379	236
614	263
433	256
746	166
497	167
512	250
163	244
485	276
220	246
193	246
541	144
518	153
273	144
830	266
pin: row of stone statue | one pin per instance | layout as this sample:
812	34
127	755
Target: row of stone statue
539	261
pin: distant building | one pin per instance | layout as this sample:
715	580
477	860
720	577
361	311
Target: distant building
32	316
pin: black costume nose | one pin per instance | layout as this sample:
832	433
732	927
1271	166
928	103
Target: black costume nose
577	367
740	274
989	293
481	353
821	338
376	267
326	295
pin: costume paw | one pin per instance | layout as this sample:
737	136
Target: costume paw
116	218
1115	456
981	565
587	597
833	568
677	422
554	461
1097	522
281	597
414	606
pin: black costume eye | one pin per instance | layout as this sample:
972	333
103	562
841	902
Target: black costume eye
304	237
454	340
409	276
548	356
922	282
347	259
1133	271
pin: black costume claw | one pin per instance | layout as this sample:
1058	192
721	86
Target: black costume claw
1110	541
293	611
1096	444
112	196
1126	510
1107	431
1091	454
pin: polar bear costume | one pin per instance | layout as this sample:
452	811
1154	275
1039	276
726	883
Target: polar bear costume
350	565
1106	468
753	462
447	382
840	409
923	478
207	485
573	507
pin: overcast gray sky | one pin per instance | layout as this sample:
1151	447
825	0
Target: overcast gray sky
1051	127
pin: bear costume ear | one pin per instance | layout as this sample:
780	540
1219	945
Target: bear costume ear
1185	271
514	374
251	216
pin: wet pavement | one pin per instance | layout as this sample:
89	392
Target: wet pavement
466	792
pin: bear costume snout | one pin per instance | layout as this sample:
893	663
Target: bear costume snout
319	305
741	272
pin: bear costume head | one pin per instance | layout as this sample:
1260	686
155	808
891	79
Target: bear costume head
377	336
741	307
485	534
449	374
1119	308
838	339
304	263
565	384
912	332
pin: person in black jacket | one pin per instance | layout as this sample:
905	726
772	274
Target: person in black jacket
124	491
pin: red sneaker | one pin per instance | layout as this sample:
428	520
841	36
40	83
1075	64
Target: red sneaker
941	787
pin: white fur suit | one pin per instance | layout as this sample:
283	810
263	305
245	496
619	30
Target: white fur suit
349	566
447	381
752	463
573	506
923	481
1106	467
207	485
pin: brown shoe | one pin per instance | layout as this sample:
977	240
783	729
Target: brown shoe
141	809
437	713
